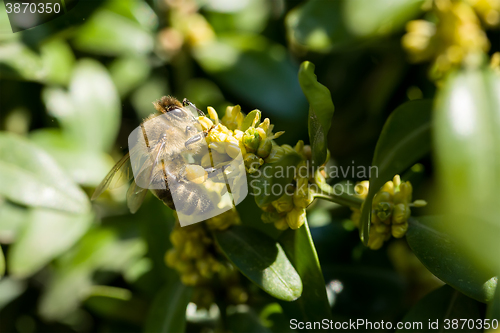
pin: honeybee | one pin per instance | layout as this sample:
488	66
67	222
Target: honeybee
160	156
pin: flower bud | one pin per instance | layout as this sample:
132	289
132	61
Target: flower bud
177	238
375	240
213	114
381	197
383	210
275	155
265	125
399	230
401	213
284	203
171	257
195	173
302	197
281	224
190	279
206	161
206	123
232	147
251	139
270	217
252	162
381	228
265	148
419	203
296	218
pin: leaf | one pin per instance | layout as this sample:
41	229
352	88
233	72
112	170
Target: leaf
242	65
320	111
29	176
250	120
366	18
168	311
404	140
85	167
90	113
443	303
129	72
262	260
269	182
47	234
313	304
445	257
2	263
467	142
318	26
109	33
52	65
10	289
12	220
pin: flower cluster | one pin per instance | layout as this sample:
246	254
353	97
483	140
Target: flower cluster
236	133
196	258
390	210
453	35
289	211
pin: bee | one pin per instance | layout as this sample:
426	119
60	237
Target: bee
160	159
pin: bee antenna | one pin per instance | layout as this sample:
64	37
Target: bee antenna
186	102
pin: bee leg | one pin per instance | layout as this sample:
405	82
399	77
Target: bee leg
196	138
186	102
213	172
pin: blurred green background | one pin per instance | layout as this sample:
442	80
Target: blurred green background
72	89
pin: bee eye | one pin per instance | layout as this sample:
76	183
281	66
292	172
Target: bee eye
177	113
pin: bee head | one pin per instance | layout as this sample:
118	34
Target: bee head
167	104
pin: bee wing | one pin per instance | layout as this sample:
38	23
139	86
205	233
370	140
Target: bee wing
136	193
121	172
135	197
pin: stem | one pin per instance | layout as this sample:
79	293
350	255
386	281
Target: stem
345	200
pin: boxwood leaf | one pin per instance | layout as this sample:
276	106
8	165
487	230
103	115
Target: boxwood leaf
168	311
250	119
2	263
320	111
366	18
90	113
441	304
313	304
444	256
47	234
262	260
404	140
318	25
29	176
269	182
467	142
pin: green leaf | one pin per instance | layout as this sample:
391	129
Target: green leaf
242	64
47	234
493	310
111	34
85	167
250	120
12	220
366	18
446	258
467	142
313	304
52	65
30	177
441	304
262	260
2	263
90	113
320	111
168	311
318	25
128	72
269	182
404	140
10	289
